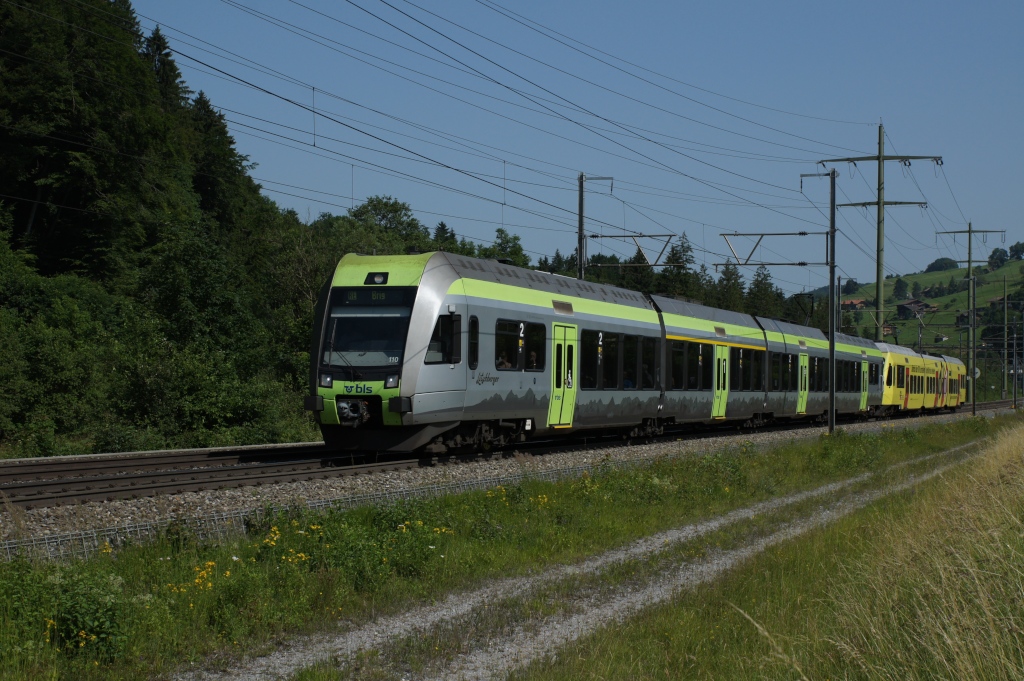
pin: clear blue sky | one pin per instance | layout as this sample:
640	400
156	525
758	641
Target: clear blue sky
742	98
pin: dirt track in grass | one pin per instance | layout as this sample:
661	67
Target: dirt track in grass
518	643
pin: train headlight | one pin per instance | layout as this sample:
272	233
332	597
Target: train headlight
391	381
326	380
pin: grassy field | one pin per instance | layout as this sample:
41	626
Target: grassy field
923	585
149	609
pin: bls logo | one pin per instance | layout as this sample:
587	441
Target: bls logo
358	389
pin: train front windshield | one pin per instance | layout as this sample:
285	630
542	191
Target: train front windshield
366	326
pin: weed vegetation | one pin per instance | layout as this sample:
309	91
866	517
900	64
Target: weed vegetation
925	584
151	608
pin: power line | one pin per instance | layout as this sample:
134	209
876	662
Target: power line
490	4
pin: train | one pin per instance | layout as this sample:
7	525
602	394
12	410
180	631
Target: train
439	353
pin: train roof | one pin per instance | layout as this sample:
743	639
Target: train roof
492	270
896	349
952	360
698	311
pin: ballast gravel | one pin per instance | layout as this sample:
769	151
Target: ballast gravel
17	523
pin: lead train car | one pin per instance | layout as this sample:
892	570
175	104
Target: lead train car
437	351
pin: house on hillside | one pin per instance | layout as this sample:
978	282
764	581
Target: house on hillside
910	309
853	304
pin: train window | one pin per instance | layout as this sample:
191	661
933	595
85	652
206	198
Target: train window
760	359
900	377
610	359
630	357
812	374
536	342
507	349
650	364
677	365
590	364
794	365
694	366
707	365
474	342
558	366
735	369
774	371
748	369
445	344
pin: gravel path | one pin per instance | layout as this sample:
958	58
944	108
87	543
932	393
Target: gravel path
522	645
18	523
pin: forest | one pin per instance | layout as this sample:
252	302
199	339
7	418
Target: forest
150	295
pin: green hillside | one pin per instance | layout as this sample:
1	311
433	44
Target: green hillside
941	322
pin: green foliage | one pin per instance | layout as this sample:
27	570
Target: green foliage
997	258
941	264
901	289
763	298
729	291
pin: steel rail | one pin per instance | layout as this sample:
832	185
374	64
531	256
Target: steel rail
32	483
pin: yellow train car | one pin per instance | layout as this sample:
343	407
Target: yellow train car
956	382
897	388
934	388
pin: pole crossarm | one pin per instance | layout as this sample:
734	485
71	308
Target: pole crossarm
880	158
865	204
772	264
631	236
855	159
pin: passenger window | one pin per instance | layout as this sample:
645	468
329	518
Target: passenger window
900	377
536	342
776	380
558	366
757	370
735	369
589	364
445	345
707	362
677	366
474	342
693	366
610	358
507	349
650	364
630	355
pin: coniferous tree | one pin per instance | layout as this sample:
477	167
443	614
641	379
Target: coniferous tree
640	276
900	289
677	277
729	290
763	297
704	286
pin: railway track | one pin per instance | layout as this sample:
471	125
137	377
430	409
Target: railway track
36	483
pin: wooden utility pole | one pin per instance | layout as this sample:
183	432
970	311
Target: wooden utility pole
881	203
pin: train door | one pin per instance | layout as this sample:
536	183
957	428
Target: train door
863	385
563	376
801	399
906	383
721	381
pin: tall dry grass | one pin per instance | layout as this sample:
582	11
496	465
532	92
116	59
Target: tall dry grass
942	595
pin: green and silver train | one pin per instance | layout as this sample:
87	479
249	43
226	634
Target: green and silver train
439	352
